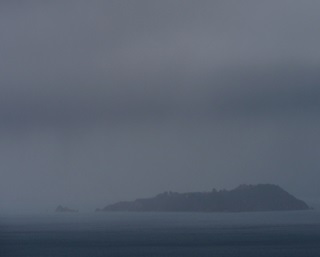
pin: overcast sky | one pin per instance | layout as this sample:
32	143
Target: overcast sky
102	101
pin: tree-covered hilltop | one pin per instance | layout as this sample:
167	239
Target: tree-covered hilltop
244	198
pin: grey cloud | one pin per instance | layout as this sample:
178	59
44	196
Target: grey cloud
258	92
76	50
105	100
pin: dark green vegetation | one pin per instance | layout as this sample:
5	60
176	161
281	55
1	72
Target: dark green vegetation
245	198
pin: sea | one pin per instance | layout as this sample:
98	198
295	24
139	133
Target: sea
263	234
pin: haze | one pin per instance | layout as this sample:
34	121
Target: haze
103	101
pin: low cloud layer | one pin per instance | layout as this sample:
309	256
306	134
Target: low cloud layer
106	100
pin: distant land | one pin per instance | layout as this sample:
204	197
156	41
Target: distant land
244	198
60	208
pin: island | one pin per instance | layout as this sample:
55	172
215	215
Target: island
244	198
60	208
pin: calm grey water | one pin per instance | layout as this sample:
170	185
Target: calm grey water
269	234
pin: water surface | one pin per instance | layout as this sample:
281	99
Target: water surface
161	234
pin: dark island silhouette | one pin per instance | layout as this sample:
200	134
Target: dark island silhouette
60	208
244	198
